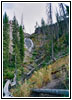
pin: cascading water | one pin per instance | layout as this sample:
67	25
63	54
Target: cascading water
28	44
6	87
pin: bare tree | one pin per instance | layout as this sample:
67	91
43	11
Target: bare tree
57	19
67	9
63	14
50	22
23	27
62	10
36	26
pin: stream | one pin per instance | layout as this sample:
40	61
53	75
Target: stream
7	85
29	45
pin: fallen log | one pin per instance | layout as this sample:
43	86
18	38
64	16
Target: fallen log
28	74
61	92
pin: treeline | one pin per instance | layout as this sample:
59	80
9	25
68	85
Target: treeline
12	62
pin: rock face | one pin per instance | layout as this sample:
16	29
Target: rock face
26	35
29	46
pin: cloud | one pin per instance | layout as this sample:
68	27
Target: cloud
32	12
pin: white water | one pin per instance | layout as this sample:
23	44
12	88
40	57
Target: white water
14	80
6	87
29	44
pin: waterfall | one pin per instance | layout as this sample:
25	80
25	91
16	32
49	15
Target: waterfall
28	44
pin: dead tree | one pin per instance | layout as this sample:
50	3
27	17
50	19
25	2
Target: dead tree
57	20
50	22
59	92
63	14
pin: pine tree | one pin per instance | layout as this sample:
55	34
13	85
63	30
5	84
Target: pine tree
5	41
21	35
42	22
16	52
15	27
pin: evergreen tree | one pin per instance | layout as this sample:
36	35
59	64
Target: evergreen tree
42	22
5	41
15	31
21	34
36	27
16	52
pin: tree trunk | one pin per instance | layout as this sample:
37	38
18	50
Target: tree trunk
52	91
52	47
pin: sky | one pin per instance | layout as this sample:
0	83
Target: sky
31	12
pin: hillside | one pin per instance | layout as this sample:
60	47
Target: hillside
48	74
53	76
38	69
37	65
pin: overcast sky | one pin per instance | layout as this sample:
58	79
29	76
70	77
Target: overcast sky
32	12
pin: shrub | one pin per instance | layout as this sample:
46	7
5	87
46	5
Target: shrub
42	76
8	75
22	90
34	53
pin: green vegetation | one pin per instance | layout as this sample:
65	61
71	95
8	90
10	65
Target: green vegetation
21	43
44	76
47	65
16	45
12	62
5	44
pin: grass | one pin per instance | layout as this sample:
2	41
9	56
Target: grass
59	63
21	90
42	77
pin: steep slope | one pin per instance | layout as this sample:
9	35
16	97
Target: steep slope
53	76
